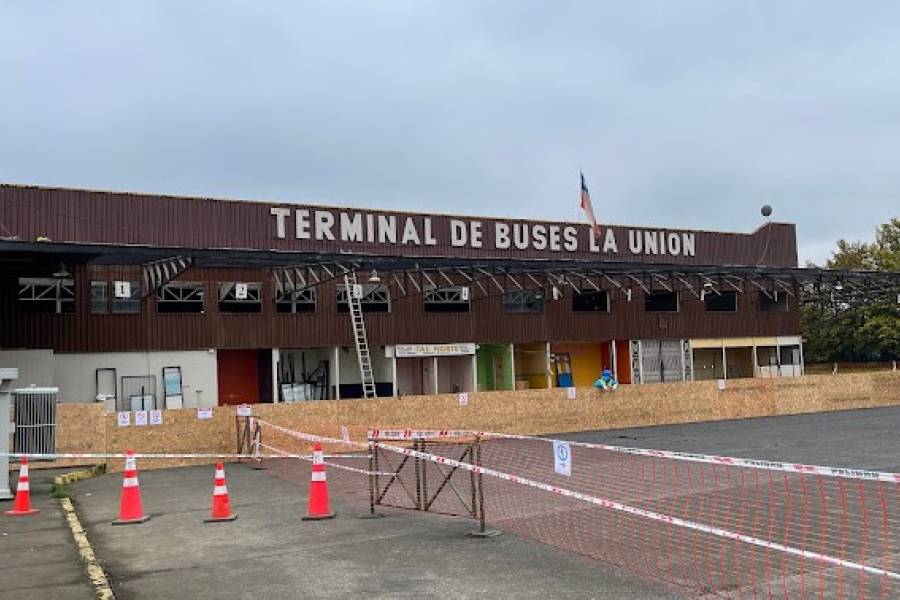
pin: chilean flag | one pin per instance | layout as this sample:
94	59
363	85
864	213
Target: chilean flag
588	208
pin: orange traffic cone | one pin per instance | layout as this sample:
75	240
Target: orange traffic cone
131	510
221	511
319	506
22	506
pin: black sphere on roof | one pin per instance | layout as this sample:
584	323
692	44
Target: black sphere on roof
766	210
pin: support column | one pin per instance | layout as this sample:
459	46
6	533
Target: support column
724	361
434	373
778	358
336	372
512	365
802	364
6	378
547	369
755	361
612	359
394	389
276	358
475	370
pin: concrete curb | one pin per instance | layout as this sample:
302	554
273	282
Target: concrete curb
102	589
67	478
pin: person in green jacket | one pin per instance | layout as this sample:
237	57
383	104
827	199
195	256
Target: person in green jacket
606	382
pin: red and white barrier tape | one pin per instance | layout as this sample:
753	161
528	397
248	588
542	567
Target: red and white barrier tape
731	461
336	465
165	455
649	514
410	434
308	437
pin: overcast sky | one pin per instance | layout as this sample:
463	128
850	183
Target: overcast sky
681	114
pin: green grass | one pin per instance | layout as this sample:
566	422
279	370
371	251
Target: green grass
60	491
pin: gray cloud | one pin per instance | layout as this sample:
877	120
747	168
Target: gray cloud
689	114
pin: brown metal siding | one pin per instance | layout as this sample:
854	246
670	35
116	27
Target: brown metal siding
407	323
66	215
85	216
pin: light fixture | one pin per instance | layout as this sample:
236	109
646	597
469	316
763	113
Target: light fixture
62	272
707	285
838	286
373	277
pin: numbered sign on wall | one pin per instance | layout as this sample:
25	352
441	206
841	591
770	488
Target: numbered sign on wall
240	291
122	289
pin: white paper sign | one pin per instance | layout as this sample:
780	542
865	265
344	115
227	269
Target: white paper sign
124	418
240	291
464	399
156	417
562	458
122	289
345	434
140	418
244	410
204	413
721	384
572	393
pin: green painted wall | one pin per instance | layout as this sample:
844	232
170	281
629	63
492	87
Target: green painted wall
485	356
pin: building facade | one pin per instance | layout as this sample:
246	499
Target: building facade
165	302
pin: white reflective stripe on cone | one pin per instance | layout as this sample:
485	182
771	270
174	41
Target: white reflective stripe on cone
130	482
23	486
318	476
220	474
130	463
317	457
23	471
220	490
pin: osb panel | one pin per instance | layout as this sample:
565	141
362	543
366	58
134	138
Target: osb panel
542	411
180	433
79	429
527	411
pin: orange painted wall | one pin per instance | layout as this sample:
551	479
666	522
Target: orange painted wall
586	358
238	377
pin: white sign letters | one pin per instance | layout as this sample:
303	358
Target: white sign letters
332	225
412	350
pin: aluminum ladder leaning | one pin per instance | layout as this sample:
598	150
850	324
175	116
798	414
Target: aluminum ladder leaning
354	297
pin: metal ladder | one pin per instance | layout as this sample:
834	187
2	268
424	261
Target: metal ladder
367	377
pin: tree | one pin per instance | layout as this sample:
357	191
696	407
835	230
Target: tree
869	332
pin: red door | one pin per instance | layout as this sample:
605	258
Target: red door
623	361
238	377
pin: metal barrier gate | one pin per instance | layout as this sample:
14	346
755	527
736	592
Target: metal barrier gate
415	483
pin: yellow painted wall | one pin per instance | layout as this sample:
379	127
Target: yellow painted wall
531	364
586	361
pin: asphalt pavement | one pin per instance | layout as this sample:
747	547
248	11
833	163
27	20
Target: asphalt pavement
38	559
862	439
269	552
